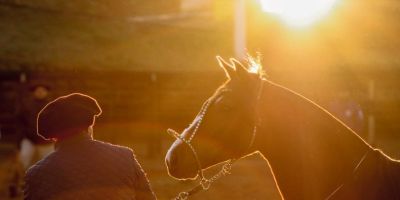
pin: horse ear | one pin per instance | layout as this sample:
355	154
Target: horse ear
229	70
240	69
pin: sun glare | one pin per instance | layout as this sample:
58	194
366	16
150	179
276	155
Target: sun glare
254	64
298	13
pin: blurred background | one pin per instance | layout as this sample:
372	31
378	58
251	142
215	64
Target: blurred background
151	64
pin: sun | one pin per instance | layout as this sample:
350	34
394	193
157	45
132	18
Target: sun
298	13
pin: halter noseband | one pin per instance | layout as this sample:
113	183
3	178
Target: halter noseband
226	168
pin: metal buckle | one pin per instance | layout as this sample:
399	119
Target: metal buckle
226	169
205	183
182	196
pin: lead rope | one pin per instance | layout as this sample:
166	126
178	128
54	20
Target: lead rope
205	183
354	171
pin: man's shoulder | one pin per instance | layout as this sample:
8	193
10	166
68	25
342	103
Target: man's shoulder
113	147
37	169
116	155
44	163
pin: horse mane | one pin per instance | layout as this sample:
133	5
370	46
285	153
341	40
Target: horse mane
254	65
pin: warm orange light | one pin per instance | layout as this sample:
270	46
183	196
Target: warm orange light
298	13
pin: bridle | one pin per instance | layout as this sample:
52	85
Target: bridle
205	183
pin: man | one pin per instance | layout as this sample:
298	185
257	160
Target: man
82	167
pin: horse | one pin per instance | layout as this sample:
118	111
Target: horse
312	154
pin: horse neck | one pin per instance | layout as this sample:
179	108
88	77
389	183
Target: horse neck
310	152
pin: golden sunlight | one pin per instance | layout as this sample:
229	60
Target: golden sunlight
298	13
254	64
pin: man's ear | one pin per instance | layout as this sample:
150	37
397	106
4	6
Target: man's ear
240	69
229	69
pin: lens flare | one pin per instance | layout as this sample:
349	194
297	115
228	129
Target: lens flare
298	13
254	64
254	67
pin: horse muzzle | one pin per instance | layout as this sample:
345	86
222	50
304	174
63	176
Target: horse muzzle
180	163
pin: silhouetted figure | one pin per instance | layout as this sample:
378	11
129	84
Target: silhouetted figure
81	167
33	147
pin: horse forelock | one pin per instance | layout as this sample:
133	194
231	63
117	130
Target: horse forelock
255	66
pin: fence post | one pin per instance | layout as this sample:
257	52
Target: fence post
371	117
240	29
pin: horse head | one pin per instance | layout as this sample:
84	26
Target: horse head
224	127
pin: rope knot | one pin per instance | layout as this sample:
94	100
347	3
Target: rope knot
205	183
182	196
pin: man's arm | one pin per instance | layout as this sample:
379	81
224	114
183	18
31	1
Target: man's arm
141	183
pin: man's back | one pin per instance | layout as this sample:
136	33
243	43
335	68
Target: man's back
82	168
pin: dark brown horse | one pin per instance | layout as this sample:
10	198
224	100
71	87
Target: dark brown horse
311	153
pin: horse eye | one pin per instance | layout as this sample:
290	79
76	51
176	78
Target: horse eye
223	104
